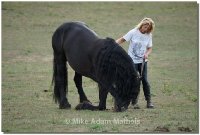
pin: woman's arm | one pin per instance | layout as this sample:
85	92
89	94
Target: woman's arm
120	40
149	50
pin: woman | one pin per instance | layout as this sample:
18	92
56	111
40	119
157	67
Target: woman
140	39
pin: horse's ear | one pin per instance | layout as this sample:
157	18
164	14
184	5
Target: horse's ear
110	40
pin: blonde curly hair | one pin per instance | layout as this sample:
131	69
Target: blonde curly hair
148	21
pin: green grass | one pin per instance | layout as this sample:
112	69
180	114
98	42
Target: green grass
27	28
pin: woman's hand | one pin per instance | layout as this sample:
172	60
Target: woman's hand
146	55
120	40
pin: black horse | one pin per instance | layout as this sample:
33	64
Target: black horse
102	60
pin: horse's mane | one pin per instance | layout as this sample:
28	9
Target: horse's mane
114	68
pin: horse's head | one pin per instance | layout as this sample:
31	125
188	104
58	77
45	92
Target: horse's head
125	91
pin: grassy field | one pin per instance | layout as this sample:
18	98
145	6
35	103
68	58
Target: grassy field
27	28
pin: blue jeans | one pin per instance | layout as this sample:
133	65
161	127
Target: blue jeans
145	83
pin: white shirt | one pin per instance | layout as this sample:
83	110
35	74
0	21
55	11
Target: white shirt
138	44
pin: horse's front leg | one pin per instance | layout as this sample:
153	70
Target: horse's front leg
78	82
102	97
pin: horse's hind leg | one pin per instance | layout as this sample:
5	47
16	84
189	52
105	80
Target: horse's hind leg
78	82
60	76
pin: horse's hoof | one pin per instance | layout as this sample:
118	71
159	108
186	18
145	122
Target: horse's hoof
65	106
79	106
122	109
85	106
102	108
87	102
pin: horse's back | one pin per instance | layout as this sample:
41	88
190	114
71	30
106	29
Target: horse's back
78	42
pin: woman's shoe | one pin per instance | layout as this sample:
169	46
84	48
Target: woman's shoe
150	104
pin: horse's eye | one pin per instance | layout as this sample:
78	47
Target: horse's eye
114	85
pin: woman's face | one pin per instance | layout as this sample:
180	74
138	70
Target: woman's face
145	28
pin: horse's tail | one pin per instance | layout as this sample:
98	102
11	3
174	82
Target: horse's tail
59	68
